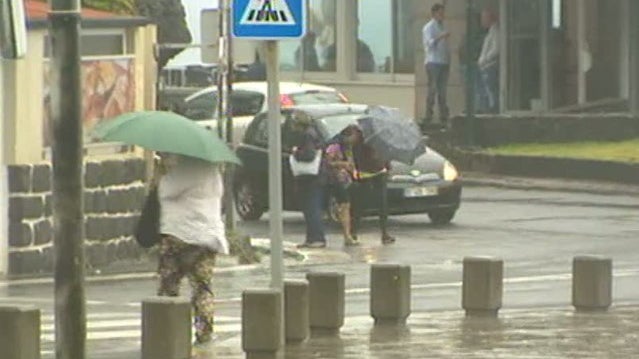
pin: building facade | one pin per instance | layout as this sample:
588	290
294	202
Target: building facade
118	76
554	54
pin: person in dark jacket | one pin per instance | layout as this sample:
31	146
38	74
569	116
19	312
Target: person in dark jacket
371	177
310	188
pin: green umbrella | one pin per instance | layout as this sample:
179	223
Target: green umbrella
165	132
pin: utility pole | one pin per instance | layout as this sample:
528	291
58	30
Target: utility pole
68	211
225	110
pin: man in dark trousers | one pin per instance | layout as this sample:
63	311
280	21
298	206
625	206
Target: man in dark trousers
371	179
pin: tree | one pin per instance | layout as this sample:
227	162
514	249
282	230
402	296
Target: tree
168	15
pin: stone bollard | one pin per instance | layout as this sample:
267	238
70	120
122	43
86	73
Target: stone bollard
296	319
326	301
166	328
19	333
483	286
261	323
390	293
591	283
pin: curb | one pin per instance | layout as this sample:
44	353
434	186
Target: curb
476	179
609	174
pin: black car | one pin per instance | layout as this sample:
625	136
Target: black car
431	185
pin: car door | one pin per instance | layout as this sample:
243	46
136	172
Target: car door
253	152
254	155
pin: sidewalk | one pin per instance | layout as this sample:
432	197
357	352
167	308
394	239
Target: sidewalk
518	333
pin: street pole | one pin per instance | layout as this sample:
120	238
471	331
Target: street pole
470	76
68	212
271	52
229	200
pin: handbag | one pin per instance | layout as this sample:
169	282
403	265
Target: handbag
147	231
303	168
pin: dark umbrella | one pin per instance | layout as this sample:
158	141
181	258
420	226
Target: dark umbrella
394	136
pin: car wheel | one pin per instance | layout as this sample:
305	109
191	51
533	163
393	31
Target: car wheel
246	204
441	218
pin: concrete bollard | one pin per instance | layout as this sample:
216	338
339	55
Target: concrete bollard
19	333
326	301
261	323
166	328
296	318
483	286
591	283
390	293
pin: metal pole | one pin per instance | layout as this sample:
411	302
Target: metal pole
471	73
221	69
633	37
275	164
228	113
68	213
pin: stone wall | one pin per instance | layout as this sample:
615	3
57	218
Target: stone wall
114	194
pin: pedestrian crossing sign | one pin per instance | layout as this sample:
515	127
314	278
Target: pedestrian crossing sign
269	19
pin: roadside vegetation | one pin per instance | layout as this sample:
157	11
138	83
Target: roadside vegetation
623	151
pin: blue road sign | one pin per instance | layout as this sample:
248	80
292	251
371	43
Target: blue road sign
269	19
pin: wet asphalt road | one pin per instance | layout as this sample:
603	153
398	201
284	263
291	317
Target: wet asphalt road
536	233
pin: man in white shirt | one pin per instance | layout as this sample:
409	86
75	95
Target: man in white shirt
437	62
489	60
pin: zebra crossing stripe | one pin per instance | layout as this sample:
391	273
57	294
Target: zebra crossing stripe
123	326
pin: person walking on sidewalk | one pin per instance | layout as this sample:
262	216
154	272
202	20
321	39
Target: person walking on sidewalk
437	62
341	170
190	194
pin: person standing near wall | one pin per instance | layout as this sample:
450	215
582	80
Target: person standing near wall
489	60
437	49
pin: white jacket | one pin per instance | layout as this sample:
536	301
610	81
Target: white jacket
190	196
490	49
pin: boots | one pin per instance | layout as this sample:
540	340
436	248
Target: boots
345	219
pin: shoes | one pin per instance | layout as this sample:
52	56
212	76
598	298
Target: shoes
351	242
312	245
388	239
204	341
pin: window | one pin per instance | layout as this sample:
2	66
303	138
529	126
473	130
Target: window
385	38
259	134
202	107
96	44
317	50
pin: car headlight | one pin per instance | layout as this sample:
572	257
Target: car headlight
450	172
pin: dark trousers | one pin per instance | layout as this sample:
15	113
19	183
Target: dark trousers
311	193
490	81
362	193
437	89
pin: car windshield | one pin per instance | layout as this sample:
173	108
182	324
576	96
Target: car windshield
316	98
331	126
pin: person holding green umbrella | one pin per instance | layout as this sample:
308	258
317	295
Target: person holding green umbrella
190	190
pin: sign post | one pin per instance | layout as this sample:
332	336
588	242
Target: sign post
270	21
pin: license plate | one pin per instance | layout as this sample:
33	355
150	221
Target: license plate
420	192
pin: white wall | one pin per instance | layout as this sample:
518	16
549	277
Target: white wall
4	187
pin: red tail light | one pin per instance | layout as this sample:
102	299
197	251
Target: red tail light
286	101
